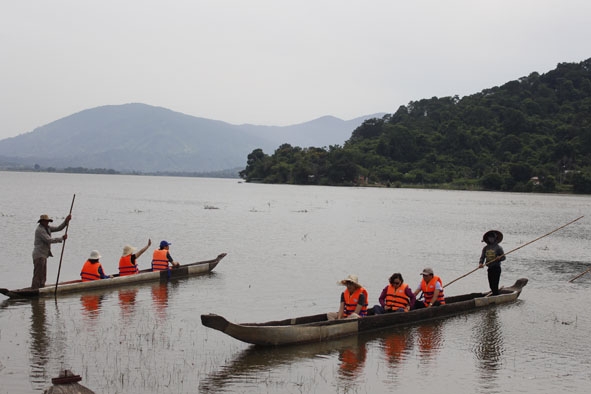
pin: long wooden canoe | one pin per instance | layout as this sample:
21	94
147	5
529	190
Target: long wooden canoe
147	275
317	328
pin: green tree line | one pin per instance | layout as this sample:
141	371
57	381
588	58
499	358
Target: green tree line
531	134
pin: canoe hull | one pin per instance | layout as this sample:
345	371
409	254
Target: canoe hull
317	328
285	335
193	269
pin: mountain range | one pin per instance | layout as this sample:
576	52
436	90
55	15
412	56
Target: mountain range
141	138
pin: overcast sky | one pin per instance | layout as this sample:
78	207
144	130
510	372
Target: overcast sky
271	62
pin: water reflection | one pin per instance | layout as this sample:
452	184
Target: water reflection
396	345
352	360
429	340
488	342
127	299
91	305
160	299
39	344
48	340
245	369
350	353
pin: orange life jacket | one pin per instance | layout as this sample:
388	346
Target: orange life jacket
429	289
351	301
159	260
126	267
90	271
397	298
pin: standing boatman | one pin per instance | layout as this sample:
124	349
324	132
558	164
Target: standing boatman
42	248
491	256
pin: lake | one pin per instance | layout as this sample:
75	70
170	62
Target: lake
287	247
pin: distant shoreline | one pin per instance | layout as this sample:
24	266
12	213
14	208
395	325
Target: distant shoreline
227	174
232	173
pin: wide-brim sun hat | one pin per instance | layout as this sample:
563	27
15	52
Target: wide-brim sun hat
44	217
127	249
498	236
94	255
350	278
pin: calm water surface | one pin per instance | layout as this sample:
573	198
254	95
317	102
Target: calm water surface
287	246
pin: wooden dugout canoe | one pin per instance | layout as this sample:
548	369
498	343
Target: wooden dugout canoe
147	275
317	328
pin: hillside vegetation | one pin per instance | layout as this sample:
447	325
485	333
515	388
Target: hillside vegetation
531	134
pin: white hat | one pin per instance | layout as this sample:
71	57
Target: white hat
94	255
127	249
350	278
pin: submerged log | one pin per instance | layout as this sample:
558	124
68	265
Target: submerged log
67	383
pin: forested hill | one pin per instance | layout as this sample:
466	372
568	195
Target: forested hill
531	134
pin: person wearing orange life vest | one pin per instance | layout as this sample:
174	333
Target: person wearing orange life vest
161	258
127	262
353	300
432	288
396	297
92	268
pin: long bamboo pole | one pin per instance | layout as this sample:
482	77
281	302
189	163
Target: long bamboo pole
63	247
578	276
517	248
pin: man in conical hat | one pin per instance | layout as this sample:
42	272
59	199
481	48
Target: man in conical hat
491	256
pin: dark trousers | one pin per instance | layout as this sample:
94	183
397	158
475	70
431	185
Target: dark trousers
379	310
39	272
421	304
494	276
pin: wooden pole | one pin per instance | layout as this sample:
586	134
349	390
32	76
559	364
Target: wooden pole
578	276
517	248
63	247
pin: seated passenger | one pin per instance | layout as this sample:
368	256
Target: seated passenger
162	258
92	268
432	288
127	262
353	300
396	297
